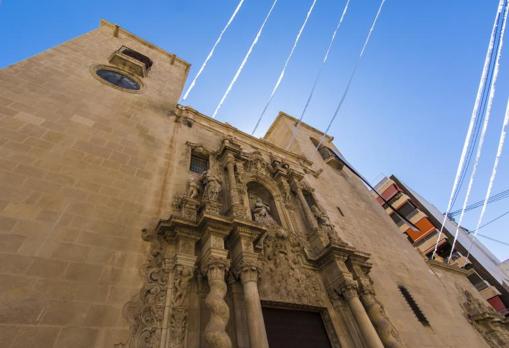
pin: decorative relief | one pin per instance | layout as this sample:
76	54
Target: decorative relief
324	224
179	305
284	277
212	185
146	311
491	325
258	165
193	190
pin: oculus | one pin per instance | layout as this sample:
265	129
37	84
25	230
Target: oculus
118	79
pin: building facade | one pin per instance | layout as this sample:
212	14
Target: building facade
485	271
240	243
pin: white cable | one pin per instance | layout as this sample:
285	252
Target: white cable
500	149
213	49
483	131
318	75
473	118
347	88
244	61
282	73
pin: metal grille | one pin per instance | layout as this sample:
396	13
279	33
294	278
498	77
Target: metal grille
413	305
199	164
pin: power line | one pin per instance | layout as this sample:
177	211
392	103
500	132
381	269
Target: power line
211	53
480	116
350	80
318	75
472	122
244	61
494	198
500	149
282	73
485	123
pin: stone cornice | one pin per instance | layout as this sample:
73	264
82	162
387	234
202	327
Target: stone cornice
248	139
118	29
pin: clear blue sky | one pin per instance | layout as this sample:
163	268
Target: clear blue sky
408	108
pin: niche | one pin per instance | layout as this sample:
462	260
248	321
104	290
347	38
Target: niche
262	204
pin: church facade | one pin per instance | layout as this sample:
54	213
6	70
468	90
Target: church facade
128	220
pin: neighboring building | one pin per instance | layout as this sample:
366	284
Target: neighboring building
485	273
243	243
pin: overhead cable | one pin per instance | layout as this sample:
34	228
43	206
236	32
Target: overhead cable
244	61
493	175
352	75
282	73
494	198
473	118
318	75
211	53
485	125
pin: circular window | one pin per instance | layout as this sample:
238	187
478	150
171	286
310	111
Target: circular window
118	79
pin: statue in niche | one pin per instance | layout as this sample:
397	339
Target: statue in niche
212	185
261	213
193	190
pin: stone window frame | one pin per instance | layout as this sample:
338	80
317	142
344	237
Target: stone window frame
197	150
195	158
93	71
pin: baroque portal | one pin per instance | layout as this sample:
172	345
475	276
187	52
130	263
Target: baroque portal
248	237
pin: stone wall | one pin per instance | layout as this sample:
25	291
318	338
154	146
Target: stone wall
364	225
82	168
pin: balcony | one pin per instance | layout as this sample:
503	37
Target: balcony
331	158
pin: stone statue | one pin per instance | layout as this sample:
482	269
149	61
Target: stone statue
261	213
212	185
194	189
320	216
324	223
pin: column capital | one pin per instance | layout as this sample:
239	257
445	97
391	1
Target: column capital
215	267
349	289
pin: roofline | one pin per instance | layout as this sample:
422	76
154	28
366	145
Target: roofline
117	28
282	115
224	125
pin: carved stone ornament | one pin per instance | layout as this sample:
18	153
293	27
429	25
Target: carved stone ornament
284	276
215	331
376	312
179	306
212	186
145	312
258	165
491	325
193	190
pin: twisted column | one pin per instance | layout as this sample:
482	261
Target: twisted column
349	292
215	331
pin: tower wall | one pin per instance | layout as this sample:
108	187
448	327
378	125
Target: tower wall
82	168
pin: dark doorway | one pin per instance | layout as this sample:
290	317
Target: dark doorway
295	329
